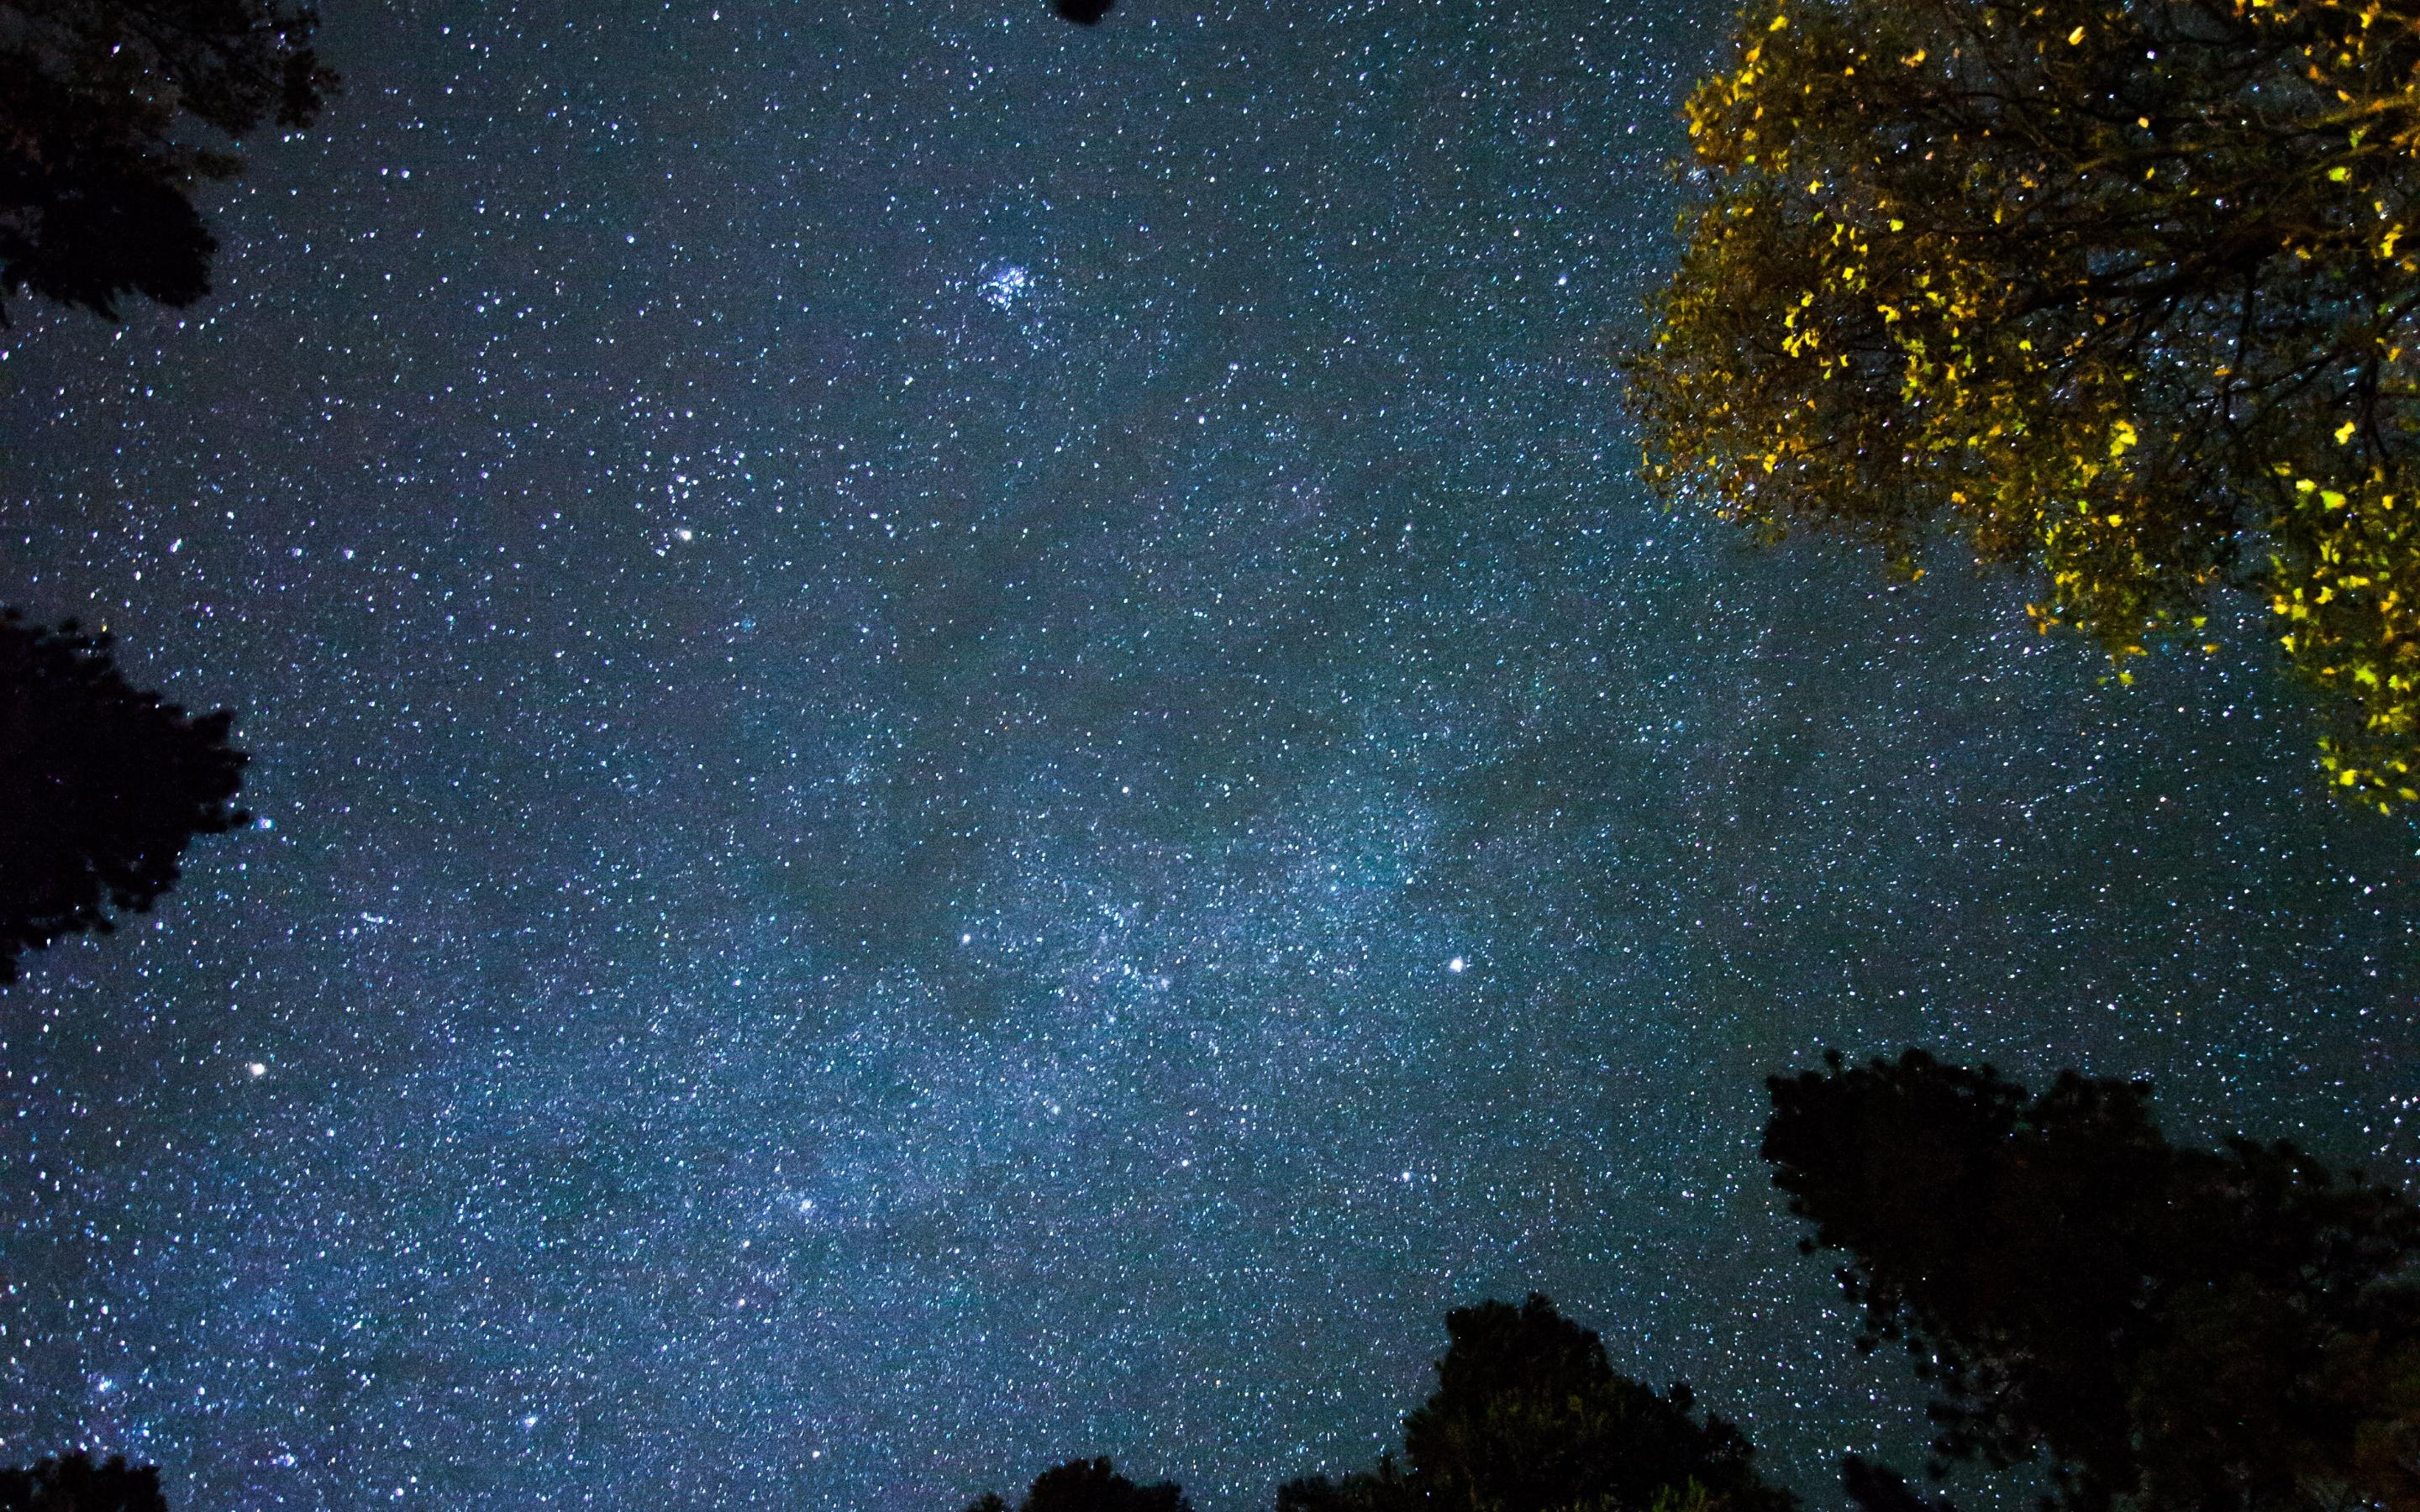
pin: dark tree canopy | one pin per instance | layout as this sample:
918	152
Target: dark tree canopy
101	787
2178	1330
75	1484
1878	1489
2124	289
1085	12
1088	1486
1528	1416
105	106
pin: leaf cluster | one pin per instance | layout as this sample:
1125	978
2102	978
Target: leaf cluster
2124	289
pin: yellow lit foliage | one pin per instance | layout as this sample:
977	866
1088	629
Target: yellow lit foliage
2123	290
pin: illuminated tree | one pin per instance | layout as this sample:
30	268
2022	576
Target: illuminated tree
110	111
2124	289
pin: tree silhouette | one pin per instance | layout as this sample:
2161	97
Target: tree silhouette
1878	1489
1084	12
1528	1416
2173	1328
101	102
2127	292
101	787
75	1484
1088	1486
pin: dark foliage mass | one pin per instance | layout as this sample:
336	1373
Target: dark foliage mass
1089	1486
102	102
101	787
2170	1329
1085	12
75	1484
1528	1416
1878	1489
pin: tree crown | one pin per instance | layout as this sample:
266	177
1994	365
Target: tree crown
100	105
101	787
2180	1329
2124	289
1528	1416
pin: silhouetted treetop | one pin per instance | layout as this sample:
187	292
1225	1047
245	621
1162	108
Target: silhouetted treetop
2129	292
1088	1486
101	787
75	1484
105	106
1085	12
1528	1416
1878	1489
2176	1330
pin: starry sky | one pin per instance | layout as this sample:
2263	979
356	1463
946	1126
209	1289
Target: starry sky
972	746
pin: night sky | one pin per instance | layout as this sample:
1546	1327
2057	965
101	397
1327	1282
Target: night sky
972	747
